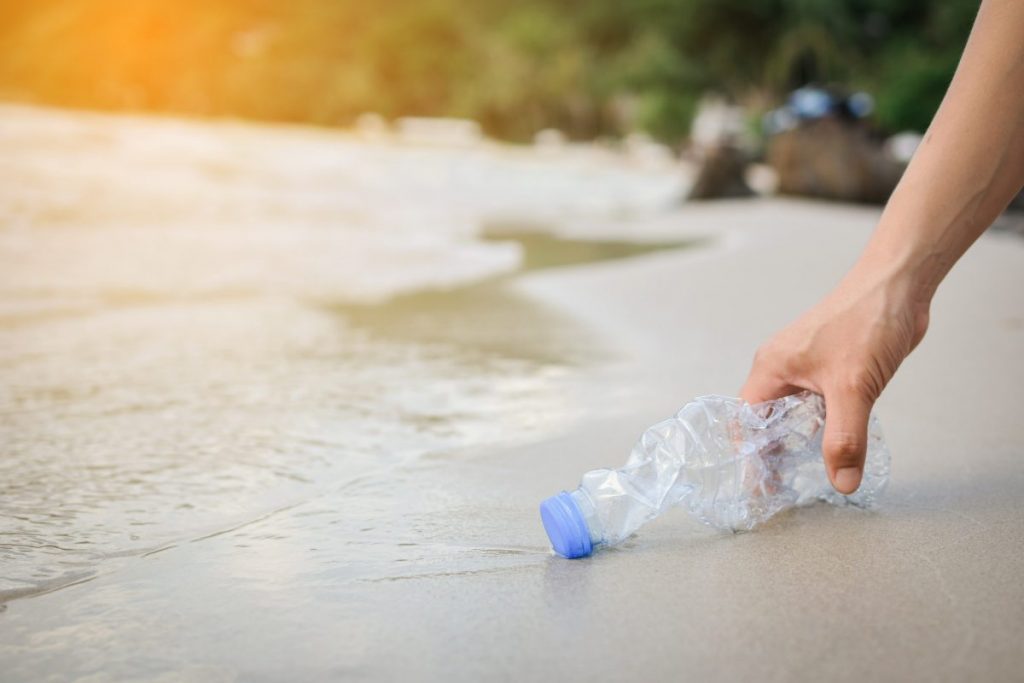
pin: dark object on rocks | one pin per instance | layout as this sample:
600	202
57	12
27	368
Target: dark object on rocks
721	174
1017	203
833	158
1011	221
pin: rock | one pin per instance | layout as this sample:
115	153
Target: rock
762	179
721	174
643	150
1011	221
372	126
550	139
833	159
1018	201
716	123
444	132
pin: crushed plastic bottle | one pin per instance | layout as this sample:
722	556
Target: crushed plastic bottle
732	465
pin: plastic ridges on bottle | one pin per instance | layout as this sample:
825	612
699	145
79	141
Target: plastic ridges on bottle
566	527
730	464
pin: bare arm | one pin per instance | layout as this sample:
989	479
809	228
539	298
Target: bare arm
971	162
967	169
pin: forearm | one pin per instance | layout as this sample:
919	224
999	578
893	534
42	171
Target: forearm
969	165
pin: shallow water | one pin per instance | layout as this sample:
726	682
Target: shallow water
211	328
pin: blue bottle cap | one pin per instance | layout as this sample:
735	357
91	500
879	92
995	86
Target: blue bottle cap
566	526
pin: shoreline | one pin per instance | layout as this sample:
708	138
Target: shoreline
421	319
455	580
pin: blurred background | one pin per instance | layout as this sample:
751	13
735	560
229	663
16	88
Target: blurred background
717	81
589	69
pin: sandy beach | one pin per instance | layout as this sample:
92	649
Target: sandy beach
436	567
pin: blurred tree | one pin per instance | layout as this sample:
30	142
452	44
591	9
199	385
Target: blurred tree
588	67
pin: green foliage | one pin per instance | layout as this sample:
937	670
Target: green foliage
589	67
912	87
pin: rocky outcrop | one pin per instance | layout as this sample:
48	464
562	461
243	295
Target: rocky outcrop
1018	202
833	158
721	174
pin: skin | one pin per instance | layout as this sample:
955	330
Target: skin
969	166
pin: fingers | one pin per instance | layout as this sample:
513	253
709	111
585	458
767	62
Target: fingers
765	384
760	389
848	408
846	437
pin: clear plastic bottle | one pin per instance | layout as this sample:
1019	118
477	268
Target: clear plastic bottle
732	465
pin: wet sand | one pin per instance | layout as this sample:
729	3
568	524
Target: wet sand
438	569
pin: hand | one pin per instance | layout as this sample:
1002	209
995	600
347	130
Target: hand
846	349
969	166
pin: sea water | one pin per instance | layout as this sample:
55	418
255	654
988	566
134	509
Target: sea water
204	323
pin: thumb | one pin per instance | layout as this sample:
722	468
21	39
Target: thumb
846	436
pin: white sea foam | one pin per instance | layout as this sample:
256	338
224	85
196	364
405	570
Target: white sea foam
94	205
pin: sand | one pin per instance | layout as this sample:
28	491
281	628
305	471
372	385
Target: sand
454	580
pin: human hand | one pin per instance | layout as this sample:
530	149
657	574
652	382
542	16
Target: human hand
969	165
846	349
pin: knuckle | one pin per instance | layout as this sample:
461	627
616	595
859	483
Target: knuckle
772	359
860	383
763	355
796	364
845	448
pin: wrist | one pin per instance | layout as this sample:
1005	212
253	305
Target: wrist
905	262
898	286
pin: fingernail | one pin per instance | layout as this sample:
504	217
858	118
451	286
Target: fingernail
847	479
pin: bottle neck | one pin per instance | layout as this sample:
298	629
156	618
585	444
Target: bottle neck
589	510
